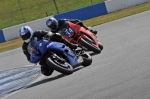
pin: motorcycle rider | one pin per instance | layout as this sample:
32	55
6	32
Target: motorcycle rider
27	34
55	25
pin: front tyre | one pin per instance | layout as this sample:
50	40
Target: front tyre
64	68
100	46
87	59
89	46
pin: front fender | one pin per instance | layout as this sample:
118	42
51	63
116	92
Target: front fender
72	58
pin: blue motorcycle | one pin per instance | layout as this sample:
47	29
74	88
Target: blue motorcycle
57	56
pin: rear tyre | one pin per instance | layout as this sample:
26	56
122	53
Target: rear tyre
87	59
64	68
89	46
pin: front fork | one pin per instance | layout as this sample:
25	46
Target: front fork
55	56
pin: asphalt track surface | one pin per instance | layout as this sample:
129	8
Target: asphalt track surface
121	71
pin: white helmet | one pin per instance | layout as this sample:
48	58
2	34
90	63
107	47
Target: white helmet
26	33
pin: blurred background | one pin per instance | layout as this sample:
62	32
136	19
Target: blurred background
14	12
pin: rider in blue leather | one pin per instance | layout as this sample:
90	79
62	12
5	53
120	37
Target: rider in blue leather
27	34
55	25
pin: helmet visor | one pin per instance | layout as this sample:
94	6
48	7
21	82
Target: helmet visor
26	36
52	24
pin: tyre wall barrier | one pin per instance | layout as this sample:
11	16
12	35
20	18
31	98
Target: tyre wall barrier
2	36
13	32
115	5
82	14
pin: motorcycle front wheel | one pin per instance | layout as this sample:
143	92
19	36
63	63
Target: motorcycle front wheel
100	46
89	46
62	67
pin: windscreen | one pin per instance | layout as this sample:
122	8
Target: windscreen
32	46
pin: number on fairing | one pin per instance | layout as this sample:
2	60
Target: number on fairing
69	32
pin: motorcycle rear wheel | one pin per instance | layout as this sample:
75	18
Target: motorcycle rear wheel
87	59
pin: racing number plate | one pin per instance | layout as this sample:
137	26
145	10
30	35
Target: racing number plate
69	32
80	60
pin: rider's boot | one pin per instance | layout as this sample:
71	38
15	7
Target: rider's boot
71	45
93	31
47	71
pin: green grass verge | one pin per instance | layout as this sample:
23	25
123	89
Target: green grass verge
14	12
90	22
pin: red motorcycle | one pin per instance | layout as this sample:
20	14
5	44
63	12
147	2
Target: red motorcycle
76	34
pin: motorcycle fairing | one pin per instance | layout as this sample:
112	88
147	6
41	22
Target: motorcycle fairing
73	59
44	45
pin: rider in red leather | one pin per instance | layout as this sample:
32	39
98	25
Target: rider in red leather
55	25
